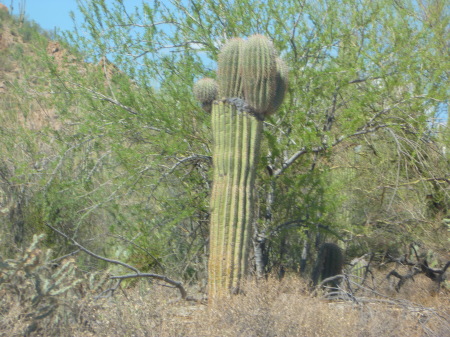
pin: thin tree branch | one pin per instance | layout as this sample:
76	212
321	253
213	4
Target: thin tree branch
141	248
364	130
178	285
181	161
103	97
65	256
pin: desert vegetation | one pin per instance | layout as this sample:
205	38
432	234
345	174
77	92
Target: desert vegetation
196	168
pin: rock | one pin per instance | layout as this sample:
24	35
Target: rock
53	47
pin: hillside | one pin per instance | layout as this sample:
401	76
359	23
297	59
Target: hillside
27	50
35	117
21	47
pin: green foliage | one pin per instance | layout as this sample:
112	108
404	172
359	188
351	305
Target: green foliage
125	151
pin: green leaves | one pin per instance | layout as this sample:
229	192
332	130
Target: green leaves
356	69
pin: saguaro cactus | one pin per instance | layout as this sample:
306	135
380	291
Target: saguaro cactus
252	84
329	263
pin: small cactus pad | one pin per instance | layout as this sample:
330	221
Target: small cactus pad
259	73
229	69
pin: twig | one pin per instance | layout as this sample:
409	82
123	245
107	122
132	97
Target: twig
364	130
65	256
141	248
137	273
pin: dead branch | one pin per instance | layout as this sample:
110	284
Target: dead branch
120	278
331	278
366	129
420	267
403	278
142	249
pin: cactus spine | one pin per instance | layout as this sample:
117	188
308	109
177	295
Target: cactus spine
237	137
250	87
281	79
229	68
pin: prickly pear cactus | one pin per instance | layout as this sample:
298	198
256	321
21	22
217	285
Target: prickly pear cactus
252	84
329	263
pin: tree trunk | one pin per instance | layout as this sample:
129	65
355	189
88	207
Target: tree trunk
259	247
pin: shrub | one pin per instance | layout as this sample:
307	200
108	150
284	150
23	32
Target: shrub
35	293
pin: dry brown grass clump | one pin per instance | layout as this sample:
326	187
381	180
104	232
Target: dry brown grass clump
269	308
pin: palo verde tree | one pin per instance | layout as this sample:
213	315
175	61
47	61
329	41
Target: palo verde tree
140	149
357	70
252	85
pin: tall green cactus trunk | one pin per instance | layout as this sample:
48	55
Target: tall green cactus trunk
251	85
237	137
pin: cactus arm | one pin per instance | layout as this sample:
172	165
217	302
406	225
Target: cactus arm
229	69
282	82
259	73
247	205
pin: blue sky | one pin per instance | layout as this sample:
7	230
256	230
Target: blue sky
53	13
47	13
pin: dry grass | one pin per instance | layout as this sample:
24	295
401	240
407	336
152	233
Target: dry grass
269	308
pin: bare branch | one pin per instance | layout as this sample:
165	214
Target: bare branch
331	278
87	251
178	285
364	130
103	97
65	256
61	160
141	248
196	157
